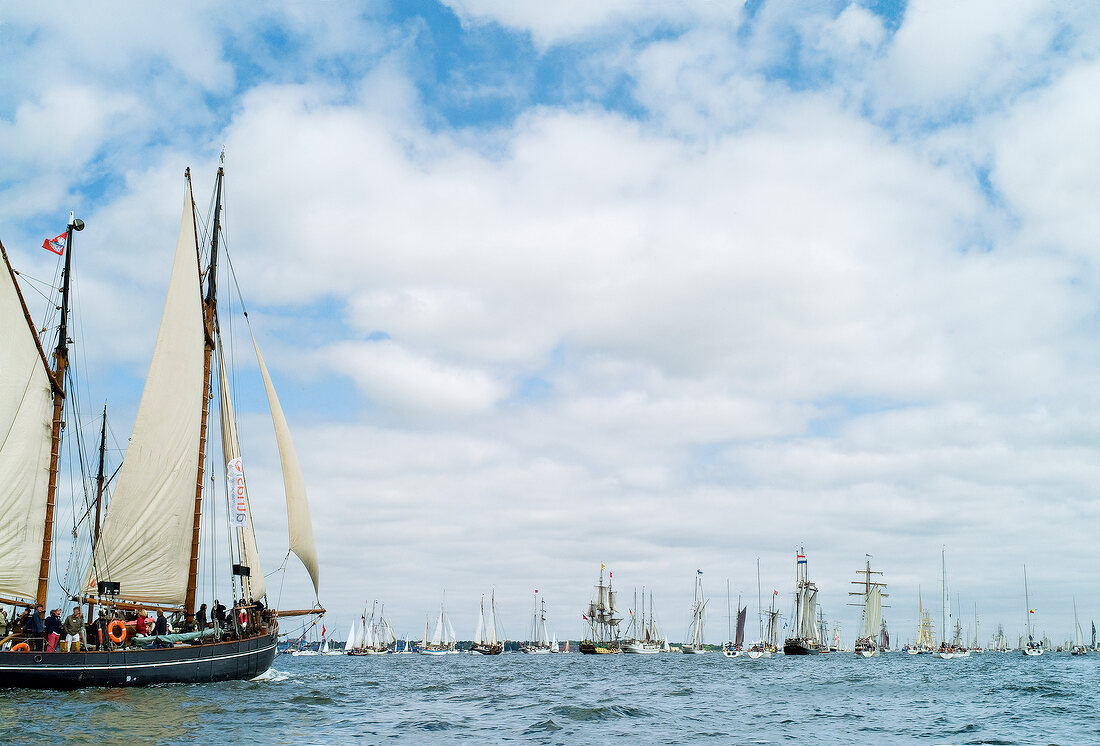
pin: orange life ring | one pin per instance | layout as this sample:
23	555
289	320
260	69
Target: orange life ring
20	647
243	618
116	637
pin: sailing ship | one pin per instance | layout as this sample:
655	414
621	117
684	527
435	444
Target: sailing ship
999	643
735	647
644	637
1078	636
805	641
539	644
976	647
867	646
956	648
374	635
1031	647
486	639
145	550
443	640
760	648
926	631
602	636
695	644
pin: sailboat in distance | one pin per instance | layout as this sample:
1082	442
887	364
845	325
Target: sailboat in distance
805	640
602	635
486	640
146	552
1078	636
873	626
1032	647
539	644
695	644
443	640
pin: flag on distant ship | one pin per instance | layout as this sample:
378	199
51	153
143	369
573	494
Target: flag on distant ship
801	559
698	572
1031	611
56	245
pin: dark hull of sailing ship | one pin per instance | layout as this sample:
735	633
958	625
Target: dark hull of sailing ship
485	648
188	664
795	646
588	647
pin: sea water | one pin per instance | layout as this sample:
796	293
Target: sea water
989	698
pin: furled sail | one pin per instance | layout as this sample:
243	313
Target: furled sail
809	615
145	542
26	409
253	583
297	506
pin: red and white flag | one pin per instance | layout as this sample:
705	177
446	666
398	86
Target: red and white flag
56	245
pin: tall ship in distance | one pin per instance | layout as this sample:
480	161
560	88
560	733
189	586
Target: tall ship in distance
144	552
805	640
539	644
873	639
695	643
601	621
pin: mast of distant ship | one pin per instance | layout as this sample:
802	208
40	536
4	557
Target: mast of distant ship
209	313
99	480
61	362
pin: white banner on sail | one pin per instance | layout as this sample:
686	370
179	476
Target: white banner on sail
235	476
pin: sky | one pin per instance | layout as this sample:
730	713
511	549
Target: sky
665	286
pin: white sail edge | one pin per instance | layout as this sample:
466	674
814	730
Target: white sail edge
299	523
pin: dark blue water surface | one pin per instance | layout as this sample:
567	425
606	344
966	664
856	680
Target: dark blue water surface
567	699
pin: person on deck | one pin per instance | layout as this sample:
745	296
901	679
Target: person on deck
35	628
141	626
200	618
73	625
54	630
219	613
3	623
160	628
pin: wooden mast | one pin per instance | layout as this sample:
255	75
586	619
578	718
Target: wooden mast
61	362
99	479
209	313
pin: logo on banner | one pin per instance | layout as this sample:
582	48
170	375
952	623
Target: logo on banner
235	475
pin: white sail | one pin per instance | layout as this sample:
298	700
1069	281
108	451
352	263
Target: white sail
872	613
26	411
809	615
297	506
350	642
493	621
480	623
145	542
254	585
437	634
451	636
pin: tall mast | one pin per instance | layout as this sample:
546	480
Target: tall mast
209	314
61	363
943	591
1027	603
99	493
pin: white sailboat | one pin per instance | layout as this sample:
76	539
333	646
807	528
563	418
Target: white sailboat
443	640
954	649
695	644
926	631
1078	636
759	649
1032	647
868	645
486	640
539	644
644	637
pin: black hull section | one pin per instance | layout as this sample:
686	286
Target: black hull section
798	647
191	664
